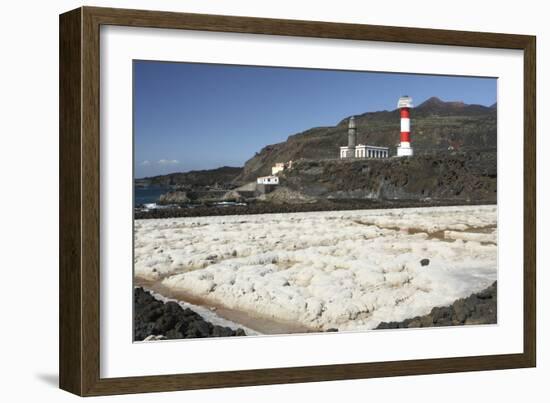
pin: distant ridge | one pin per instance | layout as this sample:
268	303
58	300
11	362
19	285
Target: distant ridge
436	126
434	105
206	177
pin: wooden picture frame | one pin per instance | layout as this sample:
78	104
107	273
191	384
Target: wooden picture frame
79	346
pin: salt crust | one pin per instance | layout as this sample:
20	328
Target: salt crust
348	270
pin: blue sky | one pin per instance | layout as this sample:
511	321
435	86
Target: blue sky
199	116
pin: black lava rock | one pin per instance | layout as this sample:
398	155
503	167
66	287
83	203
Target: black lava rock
220	331
327	204
164	323
477	309
153	317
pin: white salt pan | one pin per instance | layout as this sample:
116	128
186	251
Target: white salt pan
348	269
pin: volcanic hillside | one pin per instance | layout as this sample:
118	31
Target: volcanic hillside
209	177
436	126
465	177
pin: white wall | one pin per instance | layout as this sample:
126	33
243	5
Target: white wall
28	165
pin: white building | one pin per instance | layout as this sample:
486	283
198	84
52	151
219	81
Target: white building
268	180
278	167
365	151
360	150
346	152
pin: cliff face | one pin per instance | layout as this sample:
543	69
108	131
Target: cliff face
436	126
464	177
222	177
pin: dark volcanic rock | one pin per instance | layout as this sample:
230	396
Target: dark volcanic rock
320	205
153	317
219	331
331	185
477	309
460	177
164	323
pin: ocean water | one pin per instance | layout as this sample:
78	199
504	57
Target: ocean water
148	194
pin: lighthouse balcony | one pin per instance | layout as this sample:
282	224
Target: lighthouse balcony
404	151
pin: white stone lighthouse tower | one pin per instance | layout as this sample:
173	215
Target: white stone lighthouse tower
405	105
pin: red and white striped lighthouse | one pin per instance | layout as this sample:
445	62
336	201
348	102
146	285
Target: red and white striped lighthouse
405	105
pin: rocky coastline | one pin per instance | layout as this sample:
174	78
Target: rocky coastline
320	205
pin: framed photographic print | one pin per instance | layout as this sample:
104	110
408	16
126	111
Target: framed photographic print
249	201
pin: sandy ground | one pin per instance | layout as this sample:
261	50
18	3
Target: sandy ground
348	270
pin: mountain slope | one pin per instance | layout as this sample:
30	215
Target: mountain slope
209	177
436	125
